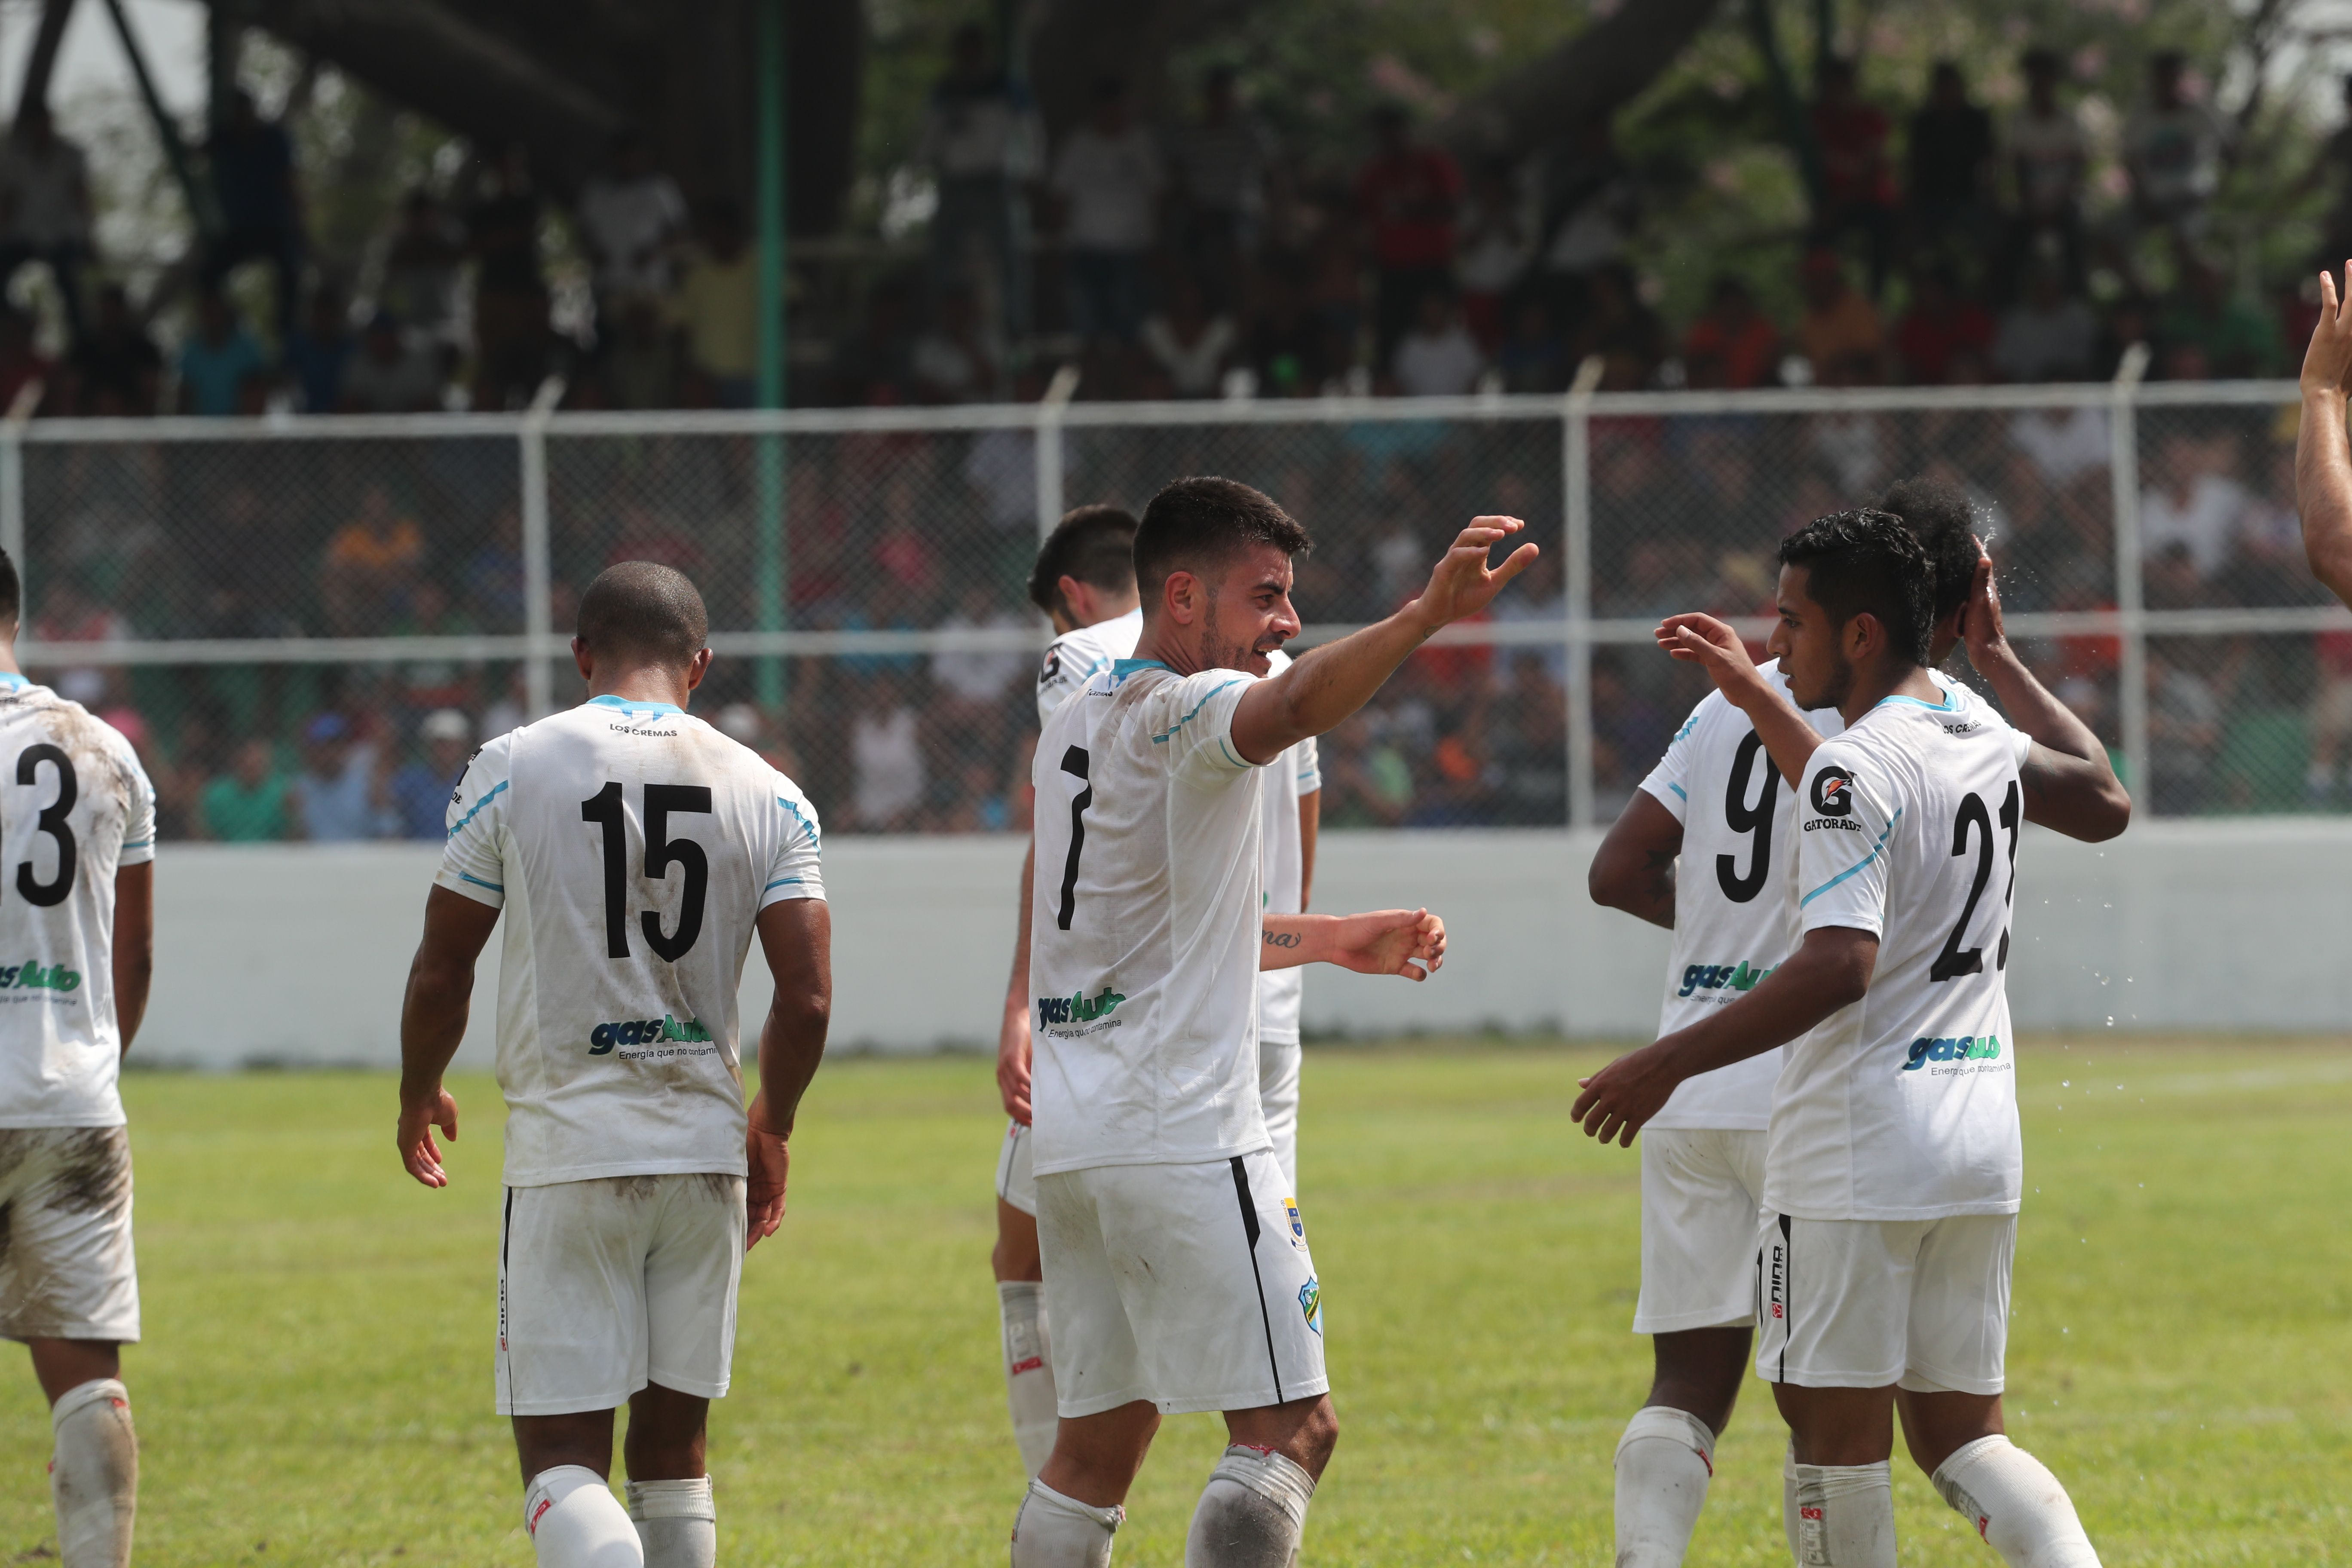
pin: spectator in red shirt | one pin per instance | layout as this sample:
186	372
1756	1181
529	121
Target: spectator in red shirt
1943	331
1409	197
1733	345
1857	183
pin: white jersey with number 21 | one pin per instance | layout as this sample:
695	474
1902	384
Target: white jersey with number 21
1902	1106
632	847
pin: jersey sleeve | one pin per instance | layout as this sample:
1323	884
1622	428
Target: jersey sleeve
1193	724
1845	834
1669	781
2021	746
795	873
139	812
474	862
1308	759
1069	664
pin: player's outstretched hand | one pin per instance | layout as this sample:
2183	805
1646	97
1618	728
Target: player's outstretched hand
1012	1065
1462	585
419	1152
2327	363
1390	942
766	1162
1715	649
1620	1098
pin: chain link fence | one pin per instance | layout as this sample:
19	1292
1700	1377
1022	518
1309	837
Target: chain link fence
306	626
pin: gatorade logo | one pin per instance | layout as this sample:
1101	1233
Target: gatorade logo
1832	788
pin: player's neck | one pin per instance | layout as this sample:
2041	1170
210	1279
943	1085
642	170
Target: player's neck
1165	644
8	665
1873	685
651	684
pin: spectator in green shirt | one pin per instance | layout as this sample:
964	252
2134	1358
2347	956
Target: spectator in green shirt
248	804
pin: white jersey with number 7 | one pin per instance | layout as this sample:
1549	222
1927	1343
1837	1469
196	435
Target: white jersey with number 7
632	847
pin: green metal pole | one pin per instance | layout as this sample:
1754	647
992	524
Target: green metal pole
770	567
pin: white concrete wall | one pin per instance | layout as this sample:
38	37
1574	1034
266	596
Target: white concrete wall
298	955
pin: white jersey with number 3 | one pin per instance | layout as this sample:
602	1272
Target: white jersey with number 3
632	847
1143	961
75	806
1902	1106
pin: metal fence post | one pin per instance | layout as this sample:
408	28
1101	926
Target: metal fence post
1576	512
1057	397
2122	466
537	568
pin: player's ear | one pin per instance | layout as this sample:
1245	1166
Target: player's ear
698	669
1183	595
583	659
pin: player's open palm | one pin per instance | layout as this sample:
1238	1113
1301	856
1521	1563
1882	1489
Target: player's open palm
1980	622
1713	647
1390	942
418	1151
767	1163
2327	363
1462	584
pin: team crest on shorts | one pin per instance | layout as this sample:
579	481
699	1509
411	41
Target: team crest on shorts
1298	1224
1310	1301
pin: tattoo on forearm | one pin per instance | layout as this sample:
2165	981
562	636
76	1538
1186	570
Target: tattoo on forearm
1281	939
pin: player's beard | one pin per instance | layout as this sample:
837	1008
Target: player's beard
1218	653
1833	689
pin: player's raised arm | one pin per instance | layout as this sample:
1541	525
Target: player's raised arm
1314	695
797	936
2323	463
1379	942
433	1022
2070	785
1788	736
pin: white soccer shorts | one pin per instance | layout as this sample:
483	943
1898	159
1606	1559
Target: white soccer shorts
1859	1304
1014	1182
1278	1093
1701	1192
607	1285
1190	1286
66	1269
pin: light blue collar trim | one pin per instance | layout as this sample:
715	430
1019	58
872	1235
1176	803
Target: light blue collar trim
609	700
1950	704
1123	668
11	682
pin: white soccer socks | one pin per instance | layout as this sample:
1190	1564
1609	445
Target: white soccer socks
676	1523
1789	1498
1845	1516
575	1522
1028	1370
1664	1463
1054	1531
2016	1504
94	1475
1252	1512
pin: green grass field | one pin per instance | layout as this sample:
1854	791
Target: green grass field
315	1387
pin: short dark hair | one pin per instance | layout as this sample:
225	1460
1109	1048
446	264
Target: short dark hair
1096	544
1196	524
650	611
12	592
1942	520
1867	560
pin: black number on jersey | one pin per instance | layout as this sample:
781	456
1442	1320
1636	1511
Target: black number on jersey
1955	959
52	821
1074	762
662	851
2012	810
1742	817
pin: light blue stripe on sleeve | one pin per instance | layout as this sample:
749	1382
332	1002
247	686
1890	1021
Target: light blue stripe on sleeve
494	886
801	818
1858	865
780	882
1196	708
1679	790
140	844
496	790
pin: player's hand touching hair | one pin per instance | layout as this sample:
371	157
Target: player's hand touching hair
1715	647
1462	584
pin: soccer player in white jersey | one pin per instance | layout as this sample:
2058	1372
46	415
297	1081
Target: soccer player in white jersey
1893	1162
1177	1280
1716	801
637	851
77	947
1084	581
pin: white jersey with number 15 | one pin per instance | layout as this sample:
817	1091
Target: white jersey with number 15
632	847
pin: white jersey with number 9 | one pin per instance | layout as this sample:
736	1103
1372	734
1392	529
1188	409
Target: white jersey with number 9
632	847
